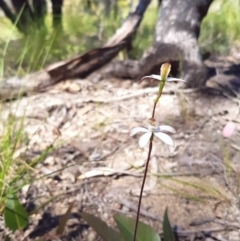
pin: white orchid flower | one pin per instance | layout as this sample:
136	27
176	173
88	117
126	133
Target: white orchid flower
164	72
159	77
156	131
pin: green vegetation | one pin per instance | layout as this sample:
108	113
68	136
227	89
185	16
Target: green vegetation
219	33
85	29
220	29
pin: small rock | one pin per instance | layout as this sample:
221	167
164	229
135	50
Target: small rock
85	233
46	171
91	236
209	239
117	206
68	176
25	189
234	236
105	216
125	209
49	161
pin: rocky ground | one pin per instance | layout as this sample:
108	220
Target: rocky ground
96	165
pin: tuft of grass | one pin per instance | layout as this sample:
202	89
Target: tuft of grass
187	112
220	28
85	28
195	190
11	166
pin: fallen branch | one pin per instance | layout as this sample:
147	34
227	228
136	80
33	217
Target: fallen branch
78	67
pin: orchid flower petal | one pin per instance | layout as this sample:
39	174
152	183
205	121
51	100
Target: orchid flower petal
157	77
170	79
153	76
164	138
137	130
144	139
166	128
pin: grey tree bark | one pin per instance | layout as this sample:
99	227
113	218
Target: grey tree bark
57	13
175	41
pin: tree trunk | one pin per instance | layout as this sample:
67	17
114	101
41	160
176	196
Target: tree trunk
57	13
26	17
7	10
175	41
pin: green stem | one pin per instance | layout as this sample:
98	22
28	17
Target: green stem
161	85
154	107
143	183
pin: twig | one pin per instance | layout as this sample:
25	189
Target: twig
177	174
215	220
236	147
87	192
204	231
201	222
143	212
140	93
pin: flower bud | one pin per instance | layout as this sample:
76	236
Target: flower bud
165	70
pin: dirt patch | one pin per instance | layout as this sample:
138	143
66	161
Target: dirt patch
198	180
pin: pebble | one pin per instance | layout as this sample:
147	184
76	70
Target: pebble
49	161
105	216
125	209
91	236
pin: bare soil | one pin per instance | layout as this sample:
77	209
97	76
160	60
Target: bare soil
97	165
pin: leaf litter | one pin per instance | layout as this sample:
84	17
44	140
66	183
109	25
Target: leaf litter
95	166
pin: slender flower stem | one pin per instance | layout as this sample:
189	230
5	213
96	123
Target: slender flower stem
161	85
153	111
155	104
141	192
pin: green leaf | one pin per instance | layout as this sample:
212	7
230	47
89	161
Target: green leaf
15	215
167	228
64	219
103	230
126	226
